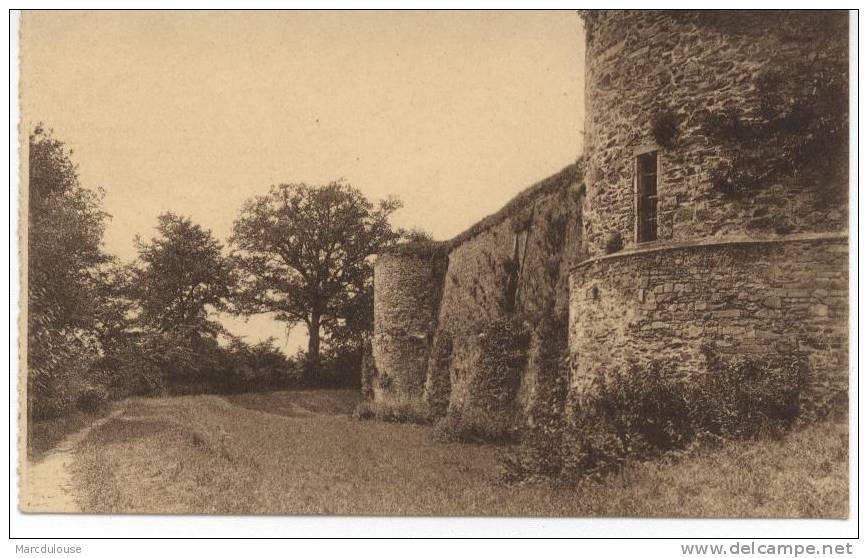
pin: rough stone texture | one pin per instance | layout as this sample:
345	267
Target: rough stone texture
642	62
738	297
546	236
406	299
415	305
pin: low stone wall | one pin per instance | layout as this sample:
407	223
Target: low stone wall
735	296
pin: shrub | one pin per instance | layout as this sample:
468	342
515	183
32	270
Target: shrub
394	409
635	414
747	396
417	235
56	372
339	367
833	404
471	425
91	399
643	413
614	242
364	411
178	362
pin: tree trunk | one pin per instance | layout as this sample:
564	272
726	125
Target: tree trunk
311	368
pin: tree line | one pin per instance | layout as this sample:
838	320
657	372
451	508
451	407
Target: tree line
99	327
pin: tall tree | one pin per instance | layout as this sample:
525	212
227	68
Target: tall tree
64	248
181	273
65	228
304	253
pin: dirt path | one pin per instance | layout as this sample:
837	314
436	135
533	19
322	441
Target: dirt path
46	485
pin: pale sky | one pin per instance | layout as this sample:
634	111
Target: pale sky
195	112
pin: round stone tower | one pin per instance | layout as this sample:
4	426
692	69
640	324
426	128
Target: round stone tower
407	289
716	206
696	124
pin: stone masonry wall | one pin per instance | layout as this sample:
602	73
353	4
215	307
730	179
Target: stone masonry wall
406	299
644	63
736	297
443	294
546	237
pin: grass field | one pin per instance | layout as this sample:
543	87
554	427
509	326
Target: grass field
300	453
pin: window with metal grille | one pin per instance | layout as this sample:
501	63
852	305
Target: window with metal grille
646	192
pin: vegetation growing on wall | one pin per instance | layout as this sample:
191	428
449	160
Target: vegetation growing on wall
798	133
509	267
438	384
431	248
552	242
490	413
664	128
639	414
541	450
614	242
368	372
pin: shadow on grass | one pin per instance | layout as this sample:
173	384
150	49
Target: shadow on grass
44	435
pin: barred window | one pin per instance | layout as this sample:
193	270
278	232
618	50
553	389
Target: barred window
646	192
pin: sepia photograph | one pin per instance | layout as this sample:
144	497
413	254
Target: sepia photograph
558	263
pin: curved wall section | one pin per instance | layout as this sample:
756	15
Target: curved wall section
652	71
737	297
407	291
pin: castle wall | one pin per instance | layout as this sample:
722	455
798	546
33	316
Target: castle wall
736	297
544	234
419	305
696	67
746	271
474	294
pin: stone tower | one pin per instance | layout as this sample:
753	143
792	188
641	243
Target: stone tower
715	149
406	302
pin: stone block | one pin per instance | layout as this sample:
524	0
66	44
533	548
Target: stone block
820	310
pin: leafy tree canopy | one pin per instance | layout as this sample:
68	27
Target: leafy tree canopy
181	274
304	252
65	228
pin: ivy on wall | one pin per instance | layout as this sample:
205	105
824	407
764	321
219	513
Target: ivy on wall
798	134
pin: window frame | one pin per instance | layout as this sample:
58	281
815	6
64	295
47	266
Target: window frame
638	153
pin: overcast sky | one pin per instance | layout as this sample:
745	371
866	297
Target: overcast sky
453	112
